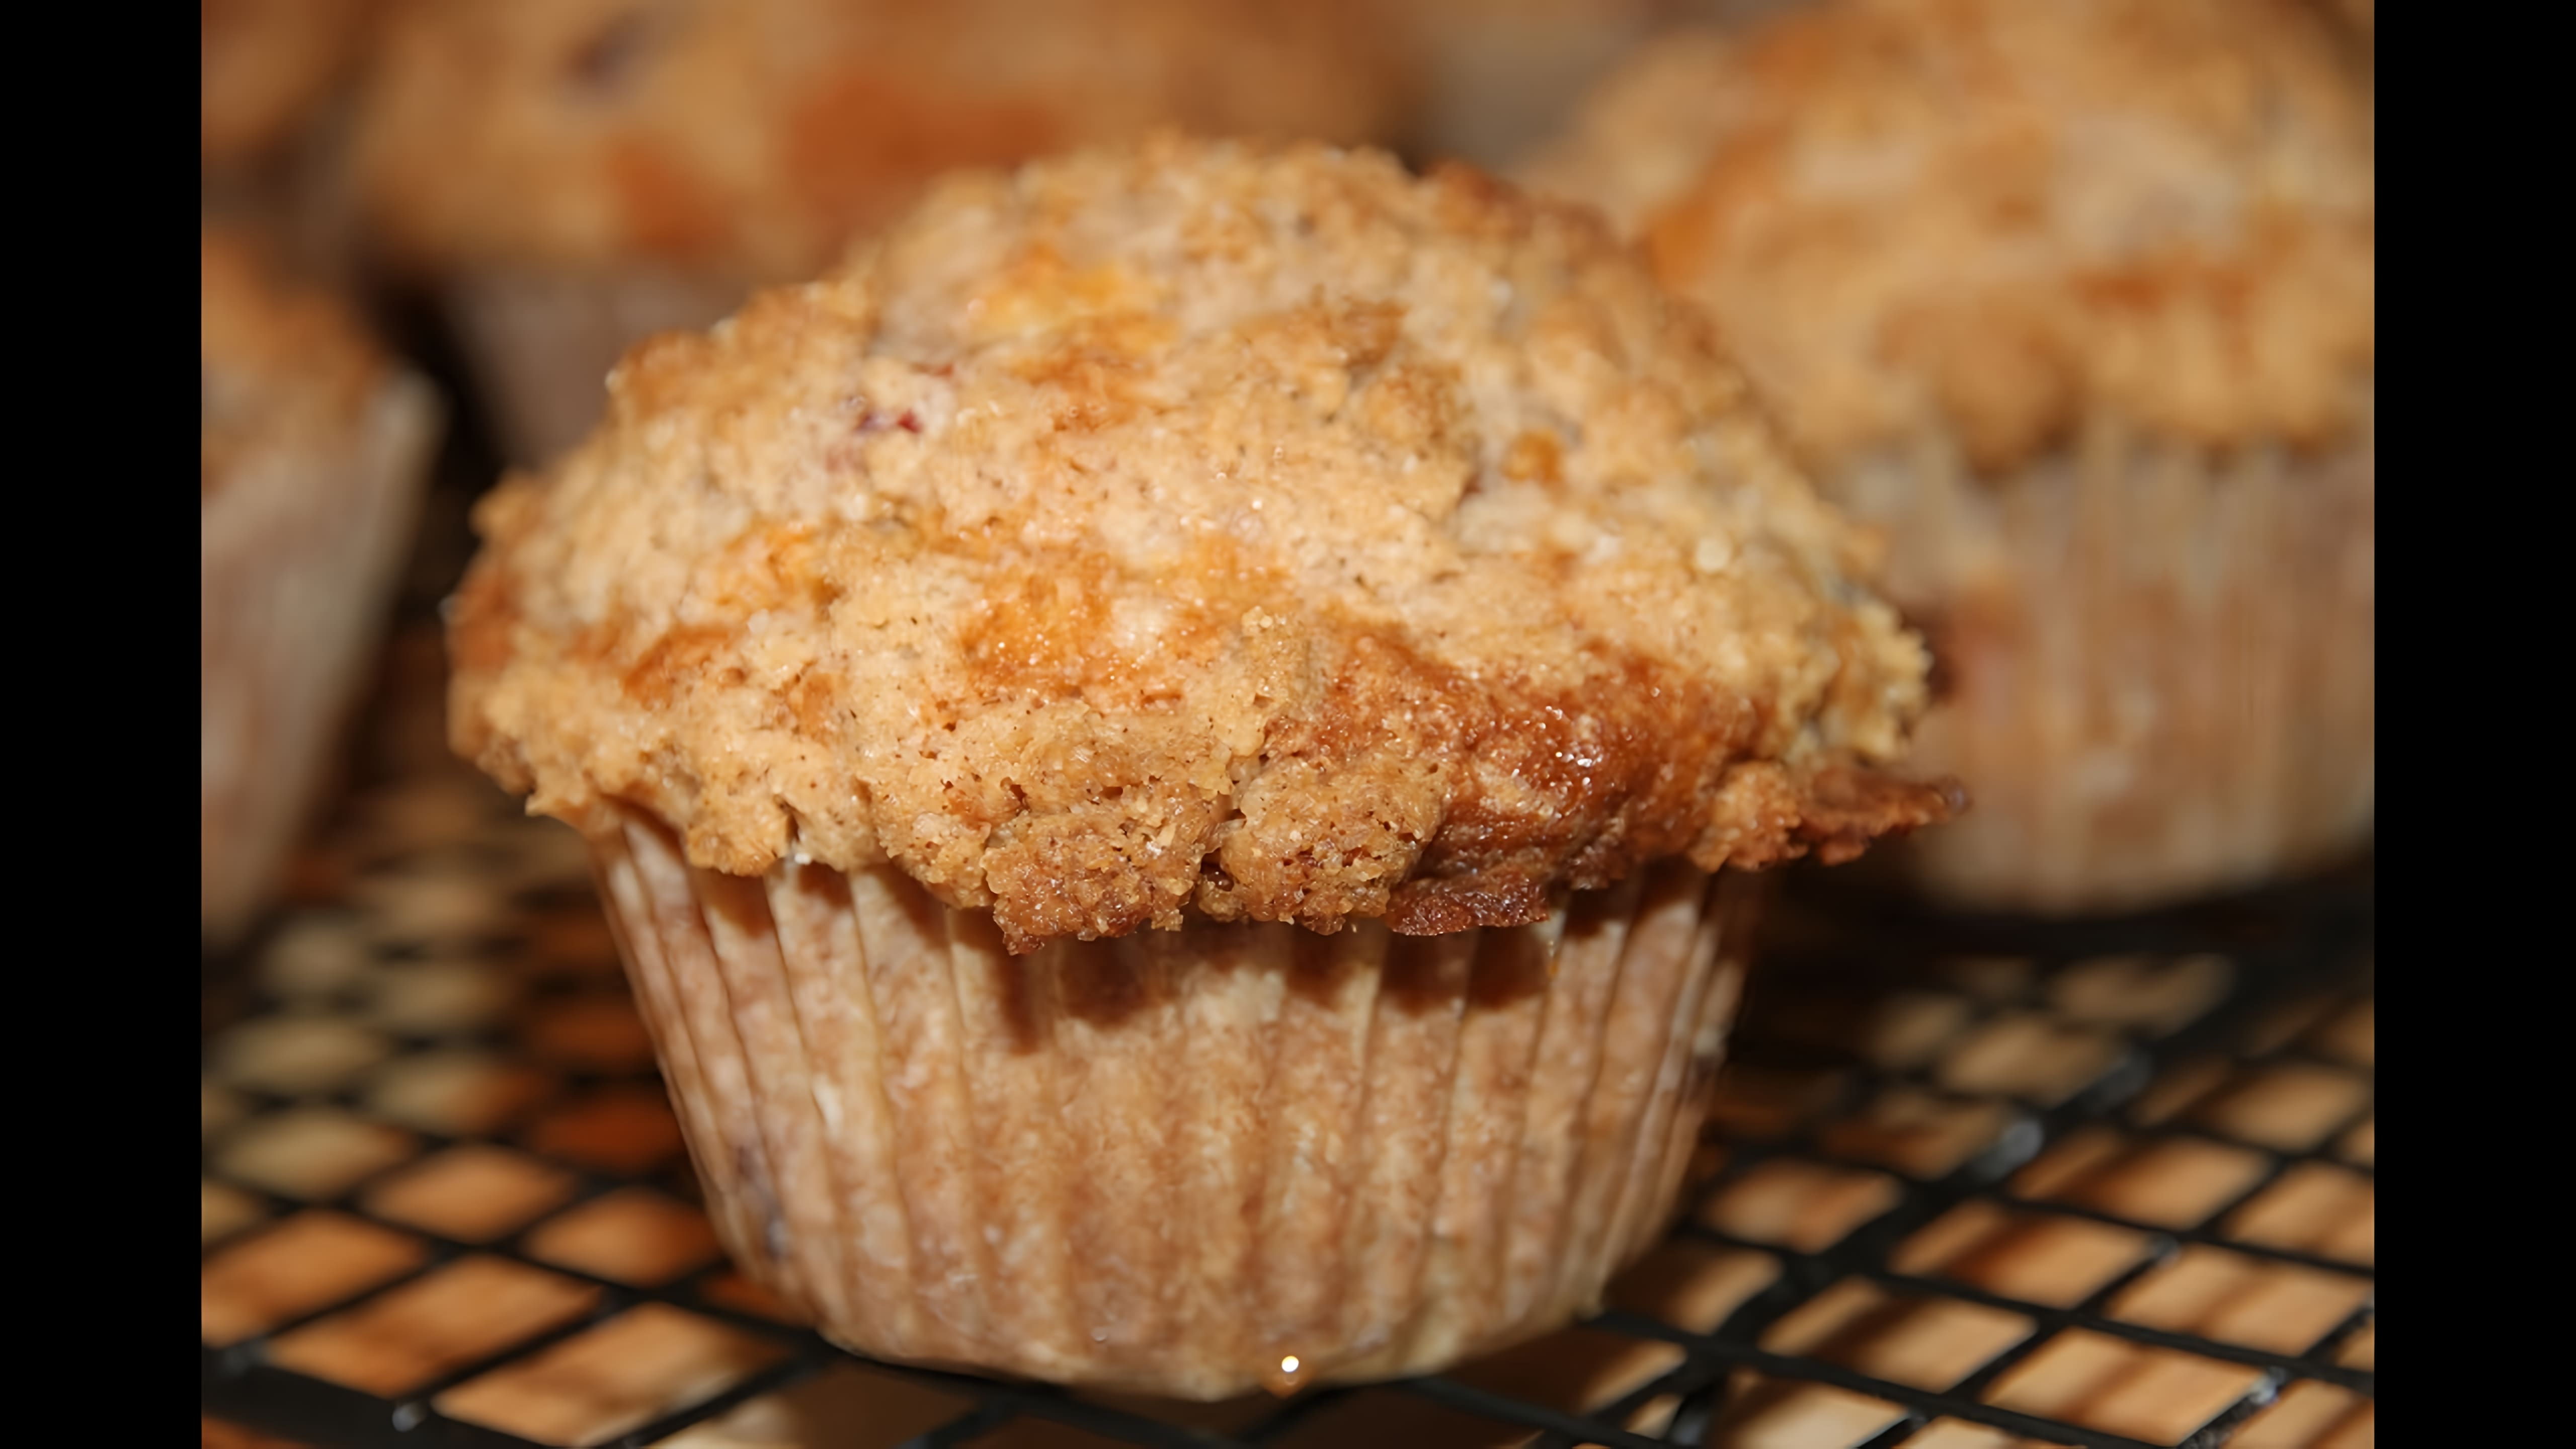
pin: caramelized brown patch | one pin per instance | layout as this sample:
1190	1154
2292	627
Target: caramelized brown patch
1041	628
768	568
1535	458
677	659
1099	869
1848	806
1097	367
1463	903
1766	815
1533	789
1039	291
1621	768
1048	627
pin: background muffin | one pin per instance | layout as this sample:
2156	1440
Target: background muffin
273	87
580	173
265	68
313	447
972	669
1500	75
2078	301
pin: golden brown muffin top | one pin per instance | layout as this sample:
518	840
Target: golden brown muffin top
756	136
1992	217
280	368
1261	533
264	65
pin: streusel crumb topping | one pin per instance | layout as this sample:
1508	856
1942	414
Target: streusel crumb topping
1198	528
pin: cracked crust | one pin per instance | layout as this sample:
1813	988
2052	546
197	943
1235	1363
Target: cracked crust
753	137
1197	529
1991	217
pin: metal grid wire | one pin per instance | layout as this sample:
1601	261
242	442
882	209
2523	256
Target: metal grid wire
1967	1184
1886	1079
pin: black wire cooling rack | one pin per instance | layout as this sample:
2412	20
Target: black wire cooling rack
1966	1183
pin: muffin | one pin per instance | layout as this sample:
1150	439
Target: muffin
266	67
1175	750
313	448
2076	301
273	88
575	175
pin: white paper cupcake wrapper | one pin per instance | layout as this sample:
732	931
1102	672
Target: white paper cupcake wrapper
2162	666
1176	1163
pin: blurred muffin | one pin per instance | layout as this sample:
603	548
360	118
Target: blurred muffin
1156	745
273	81
581	173
266	66
2077	300
313	447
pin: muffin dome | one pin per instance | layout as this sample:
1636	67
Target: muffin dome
1264	533
756	136
1993	217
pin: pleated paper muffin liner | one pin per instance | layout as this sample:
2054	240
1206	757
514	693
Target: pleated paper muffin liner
1185	1163
2161	666
540	343
299	554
